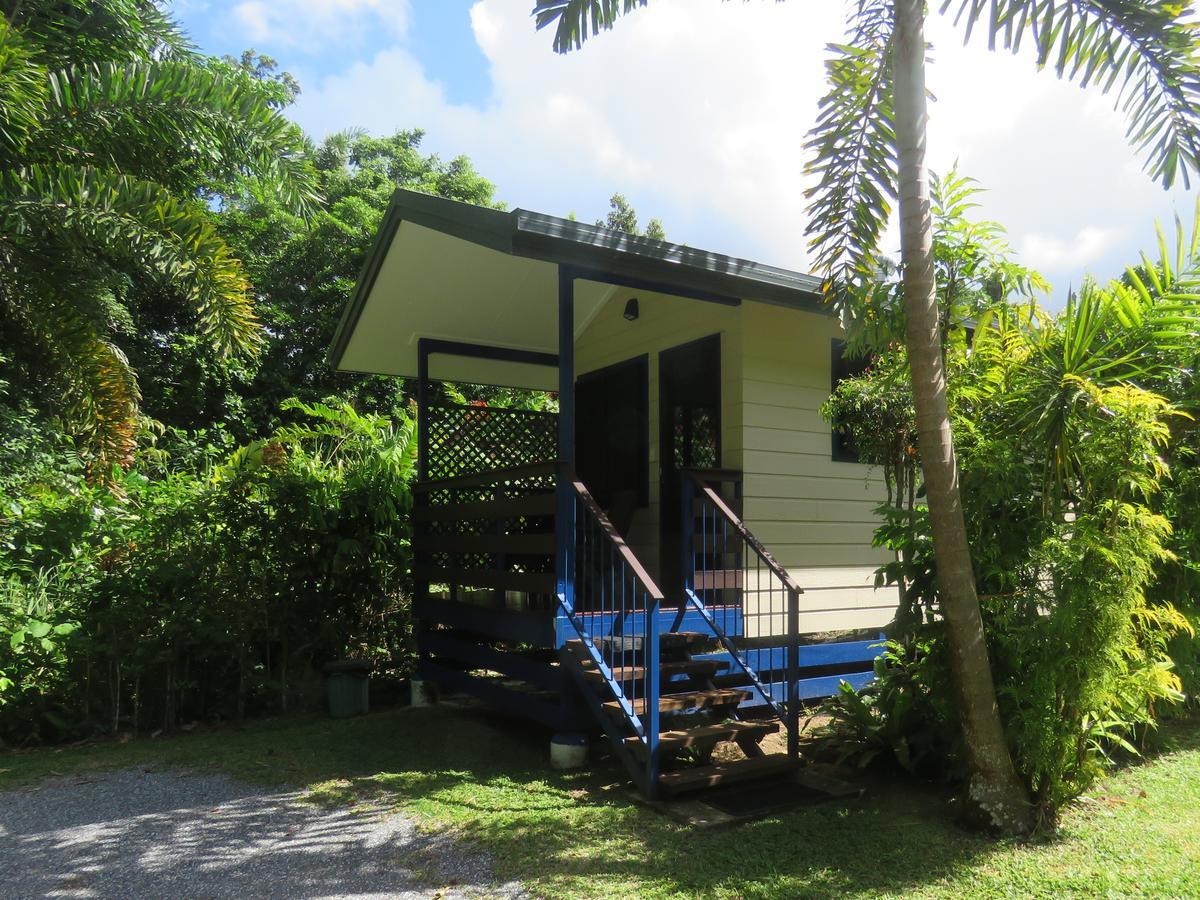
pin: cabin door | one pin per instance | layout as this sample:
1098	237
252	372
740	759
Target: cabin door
689	383
612	438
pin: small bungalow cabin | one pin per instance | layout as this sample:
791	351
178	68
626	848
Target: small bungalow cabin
654	559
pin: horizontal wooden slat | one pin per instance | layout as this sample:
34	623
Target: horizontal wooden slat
530	582
493	476
840	653
690	641
815	688
683	700
699	777
729	731
550	712
527	544
717	579
502	624
504	508
469	649
637	673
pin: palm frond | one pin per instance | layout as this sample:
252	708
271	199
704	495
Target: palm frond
22	92
137	223
1143	50
853	146
575	21
1159	300
100	388
105	405
73	31
157	120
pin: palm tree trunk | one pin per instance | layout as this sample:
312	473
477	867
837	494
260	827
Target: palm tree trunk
994	789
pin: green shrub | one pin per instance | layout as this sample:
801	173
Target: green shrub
1062	461
204	590
36	639
904	716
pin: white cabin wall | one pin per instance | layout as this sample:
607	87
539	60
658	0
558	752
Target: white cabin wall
815	515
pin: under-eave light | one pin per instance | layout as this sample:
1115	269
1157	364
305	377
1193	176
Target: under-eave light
631	309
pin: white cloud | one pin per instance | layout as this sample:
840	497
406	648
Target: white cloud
313	25
697	110
1052	253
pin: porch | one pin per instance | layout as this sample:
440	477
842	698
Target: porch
530	598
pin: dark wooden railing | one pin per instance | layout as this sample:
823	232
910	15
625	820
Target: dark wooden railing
615	615
489	530
748	599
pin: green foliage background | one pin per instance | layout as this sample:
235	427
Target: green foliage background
1073	436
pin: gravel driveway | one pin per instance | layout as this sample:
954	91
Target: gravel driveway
134	834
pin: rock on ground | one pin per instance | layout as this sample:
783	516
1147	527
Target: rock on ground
137	834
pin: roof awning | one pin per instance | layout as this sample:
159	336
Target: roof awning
451	271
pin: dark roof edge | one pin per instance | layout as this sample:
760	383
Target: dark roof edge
557	240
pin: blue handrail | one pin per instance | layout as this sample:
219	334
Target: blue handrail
614	609
747	598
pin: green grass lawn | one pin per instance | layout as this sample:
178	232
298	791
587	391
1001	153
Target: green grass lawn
583	834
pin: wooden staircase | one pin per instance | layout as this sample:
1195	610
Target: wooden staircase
694	714
534	571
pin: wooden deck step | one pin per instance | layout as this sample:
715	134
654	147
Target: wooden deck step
701	777
668	641
729	731
682	700
671	667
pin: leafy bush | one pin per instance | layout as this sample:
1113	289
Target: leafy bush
207	589
1064	442
35	640
904	715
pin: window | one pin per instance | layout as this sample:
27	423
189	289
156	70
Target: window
841	367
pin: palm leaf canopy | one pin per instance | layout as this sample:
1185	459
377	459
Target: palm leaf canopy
1141	51
115	138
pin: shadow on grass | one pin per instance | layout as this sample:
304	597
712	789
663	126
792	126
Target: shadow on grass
488	779
585	832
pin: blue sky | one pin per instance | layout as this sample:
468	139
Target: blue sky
696	110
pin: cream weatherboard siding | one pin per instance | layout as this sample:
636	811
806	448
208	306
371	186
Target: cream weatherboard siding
816	516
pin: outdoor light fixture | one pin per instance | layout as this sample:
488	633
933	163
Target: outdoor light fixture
631	309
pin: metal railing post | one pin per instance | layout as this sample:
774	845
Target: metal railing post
653	687
793	674
687	534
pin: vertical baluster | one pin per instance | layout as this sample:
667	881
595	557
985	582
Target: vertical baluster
724	562
620	602
652	693
611	607
793	674
771	613
687	541
607	613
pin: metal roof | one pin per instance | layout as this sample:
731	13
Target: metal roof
551	239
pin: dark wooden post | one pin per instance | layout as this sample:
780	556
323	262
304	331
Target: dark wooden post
564	520
421	499
422	409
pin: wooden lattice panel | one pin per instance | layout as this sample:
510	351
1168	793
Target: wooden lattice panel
467	440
